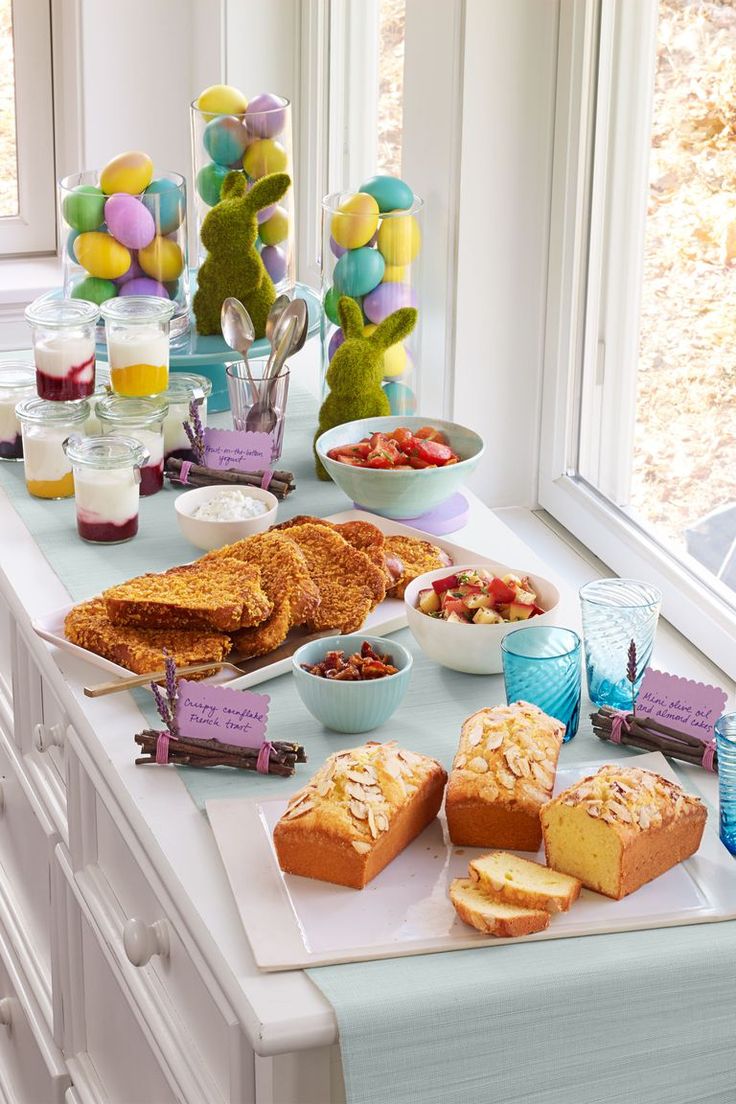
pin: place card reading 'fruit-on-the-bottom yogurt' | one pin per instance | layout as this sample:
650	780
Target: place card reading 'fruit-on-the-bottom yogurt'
205	712
680	703
237	449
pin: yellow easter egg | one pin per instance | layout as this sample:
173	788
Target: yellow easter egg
275	229
263	157
399	240
128	172
162	260
395	358
395	274
101	255
355	221
221	99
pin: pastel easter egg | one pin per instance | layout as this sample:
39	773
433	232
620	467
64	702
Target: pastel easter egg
129	221
396	274
401	398
266	213
275	260
390	193
395	358
335	342
225	139
399	239
221	99
264	156
358	271
83	207
133	272
143	285
209	182
162	259
330	305
172	288
128	172
275	229
165	200
94	290
265	116
355	221
336	249
73	235
101	255
387	298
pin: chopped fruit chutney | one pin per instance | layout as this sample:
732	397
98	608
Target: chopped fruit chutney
358	667
400	450
480	598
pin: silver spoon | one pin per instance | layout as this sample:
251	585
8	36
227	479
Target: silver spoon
278	307
262	417
239	333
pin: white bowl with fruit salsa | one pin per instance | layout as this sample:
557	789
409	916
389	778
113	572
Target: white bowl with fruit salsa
460	615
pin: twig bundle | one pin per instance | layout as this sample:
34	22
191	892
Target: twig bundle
282	760
649	735
282	482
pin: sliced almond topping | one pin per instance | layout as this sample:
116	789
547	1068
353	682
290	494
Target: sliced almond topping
372	823
494	739
620	811
593	810
409	757
361	847
382	822
354	790
460	761
356	776
393	767
539	796
298	810
478	764
358	810
324	786
474	735
511	756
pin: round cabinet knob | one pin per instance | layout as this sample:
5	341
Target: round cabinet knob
142	941
6	1012
44	737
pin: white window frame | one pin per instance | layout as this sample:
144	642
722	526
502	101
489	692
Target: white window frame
594	281
33	229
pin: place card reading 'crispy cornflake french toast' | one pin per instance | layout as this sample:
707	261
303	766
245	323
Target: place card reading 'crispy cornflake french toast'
237	449
680	703
206	712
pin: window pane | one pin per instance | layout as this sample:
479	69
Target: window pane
391	19
8	163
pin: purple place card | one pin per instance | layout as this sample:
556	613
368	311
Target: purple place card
206	712
680	703
237	448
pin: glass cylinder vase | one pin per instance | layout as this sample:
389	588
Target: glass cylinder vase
256	142
725	733
375	258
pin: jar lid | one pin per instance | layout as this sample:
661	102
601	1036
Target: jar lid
137	310
60	313
16	377
183	386
110	451
120	411
40	411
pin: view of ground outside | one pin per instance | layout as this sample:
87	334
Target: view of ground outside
8	167
684	462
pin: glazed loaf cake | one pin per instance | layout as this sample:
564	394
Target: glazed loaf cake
622	827
357	813
503	773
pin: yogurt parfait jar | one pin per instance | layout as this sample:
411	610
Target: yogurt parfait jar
17	381
184	388
137	332
142	419
44	428
63	332
106	486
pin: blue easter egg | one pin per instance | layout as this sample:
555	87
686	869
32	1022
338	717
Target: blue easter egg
402	399
358	271
209	182
390	193
165	201
225	139
387	298
73	235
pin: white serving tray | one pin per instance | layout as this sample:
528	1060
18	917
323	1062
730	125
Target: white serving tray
293	922
386	618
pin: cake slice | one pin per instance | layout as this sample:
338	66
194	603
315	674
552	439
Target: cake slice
494	917
518	881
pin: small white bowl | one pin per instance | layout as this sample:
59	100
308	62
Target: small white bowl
207	534
473	649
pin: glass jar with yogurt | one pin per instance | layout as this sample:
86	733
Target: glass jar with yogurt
184	387
17	381
142	419
63	333
44	427
106	486
137	333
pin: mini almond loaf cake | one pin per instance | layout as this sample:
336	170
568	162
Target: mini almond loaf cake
357	813
503	773
620	828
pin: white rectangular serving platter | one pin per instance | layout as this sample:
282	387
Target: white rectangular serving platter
386	618
293	922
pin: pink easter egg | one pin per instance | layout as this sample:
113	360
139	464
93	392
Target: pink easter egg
129	221
265	115
144	285
386	298
275	261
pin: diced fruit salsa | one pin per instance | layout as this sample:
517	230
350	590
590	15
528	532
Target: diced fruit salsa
478	597
359	667
401	450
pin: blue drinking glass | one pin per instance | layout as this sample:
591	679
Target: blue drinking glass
615	612
726	745
541	665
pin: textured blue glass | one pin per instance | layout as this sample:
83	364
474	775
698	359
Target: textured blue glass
615	612
726	743
541	665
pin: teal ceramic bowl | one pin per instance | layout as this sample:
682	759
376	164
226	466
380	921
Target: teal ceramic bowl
400	494
351	706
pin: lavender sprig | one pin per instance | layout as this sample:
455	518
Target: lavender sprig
195	432
161	706
166	707
631	672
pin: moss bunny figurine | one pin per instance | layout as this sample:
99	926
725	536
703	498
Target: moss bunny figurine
356	370
233	265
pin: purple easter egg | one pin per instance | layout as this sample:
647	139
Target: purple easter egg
129	221
386	298
275	261
265	115
134	272
265	214
144	285
335	342
338	250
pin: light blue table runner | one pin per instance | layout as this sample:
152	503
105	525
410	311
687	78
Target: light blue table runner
640	1017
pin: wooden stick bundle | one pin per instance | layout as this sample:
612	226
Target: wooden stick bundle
282	482
211	753
649	735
